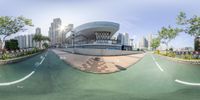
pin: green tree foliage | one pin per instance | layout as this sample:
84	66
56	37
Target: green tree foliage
155	43
45	38
45	45
39	38
166	34
197	44
191	25
11	44
11	25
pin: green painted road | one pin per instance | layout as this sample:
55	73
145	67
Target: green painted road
49	78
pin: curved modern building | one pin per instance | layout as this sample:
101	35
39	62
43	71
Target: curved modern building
96	38
95	35
96	32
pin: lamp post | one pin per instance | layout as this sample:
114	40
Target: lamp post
131	40
73	36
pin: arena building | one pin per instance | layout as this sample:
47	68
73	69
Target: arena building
95	35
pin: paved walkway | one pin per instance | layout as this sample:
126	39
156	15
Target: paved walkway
99	64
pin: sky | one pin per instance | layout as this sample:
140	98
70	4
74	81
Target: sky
136	17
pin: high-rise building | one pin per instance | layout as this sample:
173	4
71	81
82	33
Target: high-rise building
143	44
31	42
38	30
149	40
123	39
120	39
55	34
25	41
131	43
126	39
66	31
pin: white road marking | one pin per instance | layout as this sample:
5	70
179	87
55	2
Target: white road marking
17	81
41	57
37	64
24	78
159	66
153	58
187	83
42	60
20	86
161	69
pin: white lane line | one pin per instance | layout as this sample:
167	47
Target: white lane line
42	60
24	78
161	69
37	64
41	57
153	58
159	66
187	83
17	81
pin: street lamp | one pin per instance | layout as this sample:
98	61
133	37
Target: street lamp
73	36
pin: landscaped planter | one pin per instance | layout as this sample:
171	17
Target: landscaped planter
181	60
18	59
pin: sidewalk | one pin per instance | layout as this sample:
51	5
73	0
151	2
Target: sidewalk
98	64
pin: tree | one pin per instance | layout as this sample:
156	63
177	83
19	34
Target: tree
45	45
11	25
45	38
11	44
168	34
155	43
39	38
190	26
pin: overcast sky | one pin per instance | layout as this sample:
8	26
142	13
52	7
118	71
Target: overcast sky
136	17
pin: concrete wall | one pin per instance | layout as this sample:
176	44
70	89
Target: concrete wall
100	52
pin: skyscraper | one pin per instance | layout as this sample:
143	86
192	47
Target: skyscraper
143	44
120	39
25	41
149	40
66	31
38	30
31	42
55	34
132	43
123	39
126	39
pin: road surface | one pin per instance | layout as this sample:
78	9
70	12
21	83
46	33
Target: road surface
46	77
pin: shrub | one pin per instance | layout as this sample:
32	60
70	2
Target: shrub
157	52
187	56
5	56
171	54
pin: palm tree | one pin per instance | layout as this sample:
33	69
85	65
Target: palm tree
38	38
45	38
